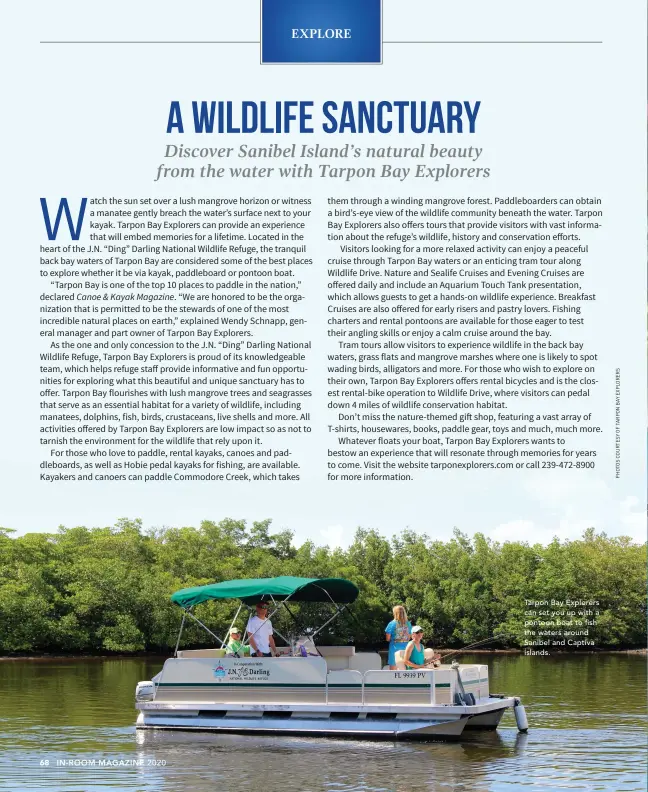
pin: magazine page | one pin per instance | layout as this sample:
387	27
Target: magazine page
323	419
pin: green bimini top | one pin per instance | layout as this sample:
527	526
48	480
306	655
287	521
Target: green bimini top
297	589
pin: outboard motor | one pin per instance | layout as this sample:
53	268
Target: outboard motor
461	698
145	691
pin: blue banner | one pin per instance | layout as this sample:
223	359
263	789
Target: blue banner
321	31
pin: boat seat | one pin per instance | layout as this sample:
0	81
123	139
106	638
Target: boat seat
400	657
336	651
365	661
337	657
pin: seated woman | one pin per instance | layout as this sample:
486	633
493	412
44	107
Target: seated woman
415	653
397	634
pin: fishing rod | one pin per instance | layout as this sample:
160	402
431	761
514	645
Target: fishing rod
477	643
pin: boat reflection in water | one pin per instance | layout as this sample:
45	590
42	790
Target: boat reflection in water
342	764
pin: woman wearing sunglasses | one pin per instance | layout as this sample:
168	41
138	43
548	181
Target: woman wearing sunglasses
414	652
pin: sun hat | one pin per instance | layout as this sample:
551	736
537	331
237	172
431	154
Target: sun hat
416	629
235	630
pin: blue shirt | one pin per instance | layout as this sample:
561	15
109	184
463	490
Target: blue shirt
399	633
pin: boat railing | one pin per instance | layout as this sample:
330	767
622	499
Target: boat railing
313	679
382	682
344	678
409	681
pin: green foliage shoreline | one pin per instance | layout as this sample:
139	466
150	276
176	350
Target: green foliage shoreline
87	591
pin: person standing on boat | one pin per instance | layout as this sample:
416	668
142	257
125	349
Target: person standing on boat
259	628
397	634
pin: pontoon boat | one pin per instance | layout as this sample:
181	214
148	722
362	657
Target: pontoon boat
308	689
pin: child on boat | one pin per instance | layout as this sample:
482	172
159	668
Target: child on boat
235	646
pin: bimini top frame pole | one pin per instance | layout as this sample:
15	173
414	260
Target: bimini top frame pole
232	623
338	591
188	612
338	611
182	623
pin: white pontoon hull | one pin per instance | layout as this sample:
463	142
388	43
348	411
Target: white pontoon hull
341	694
370	722
315	727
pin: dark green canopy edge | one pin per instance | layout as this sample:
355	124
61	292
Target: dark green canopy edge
253	590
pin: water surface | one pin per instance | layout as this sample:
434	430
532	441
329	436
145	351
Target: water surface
586	715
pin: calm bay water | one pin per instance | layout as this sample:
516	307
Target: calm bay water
587	717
